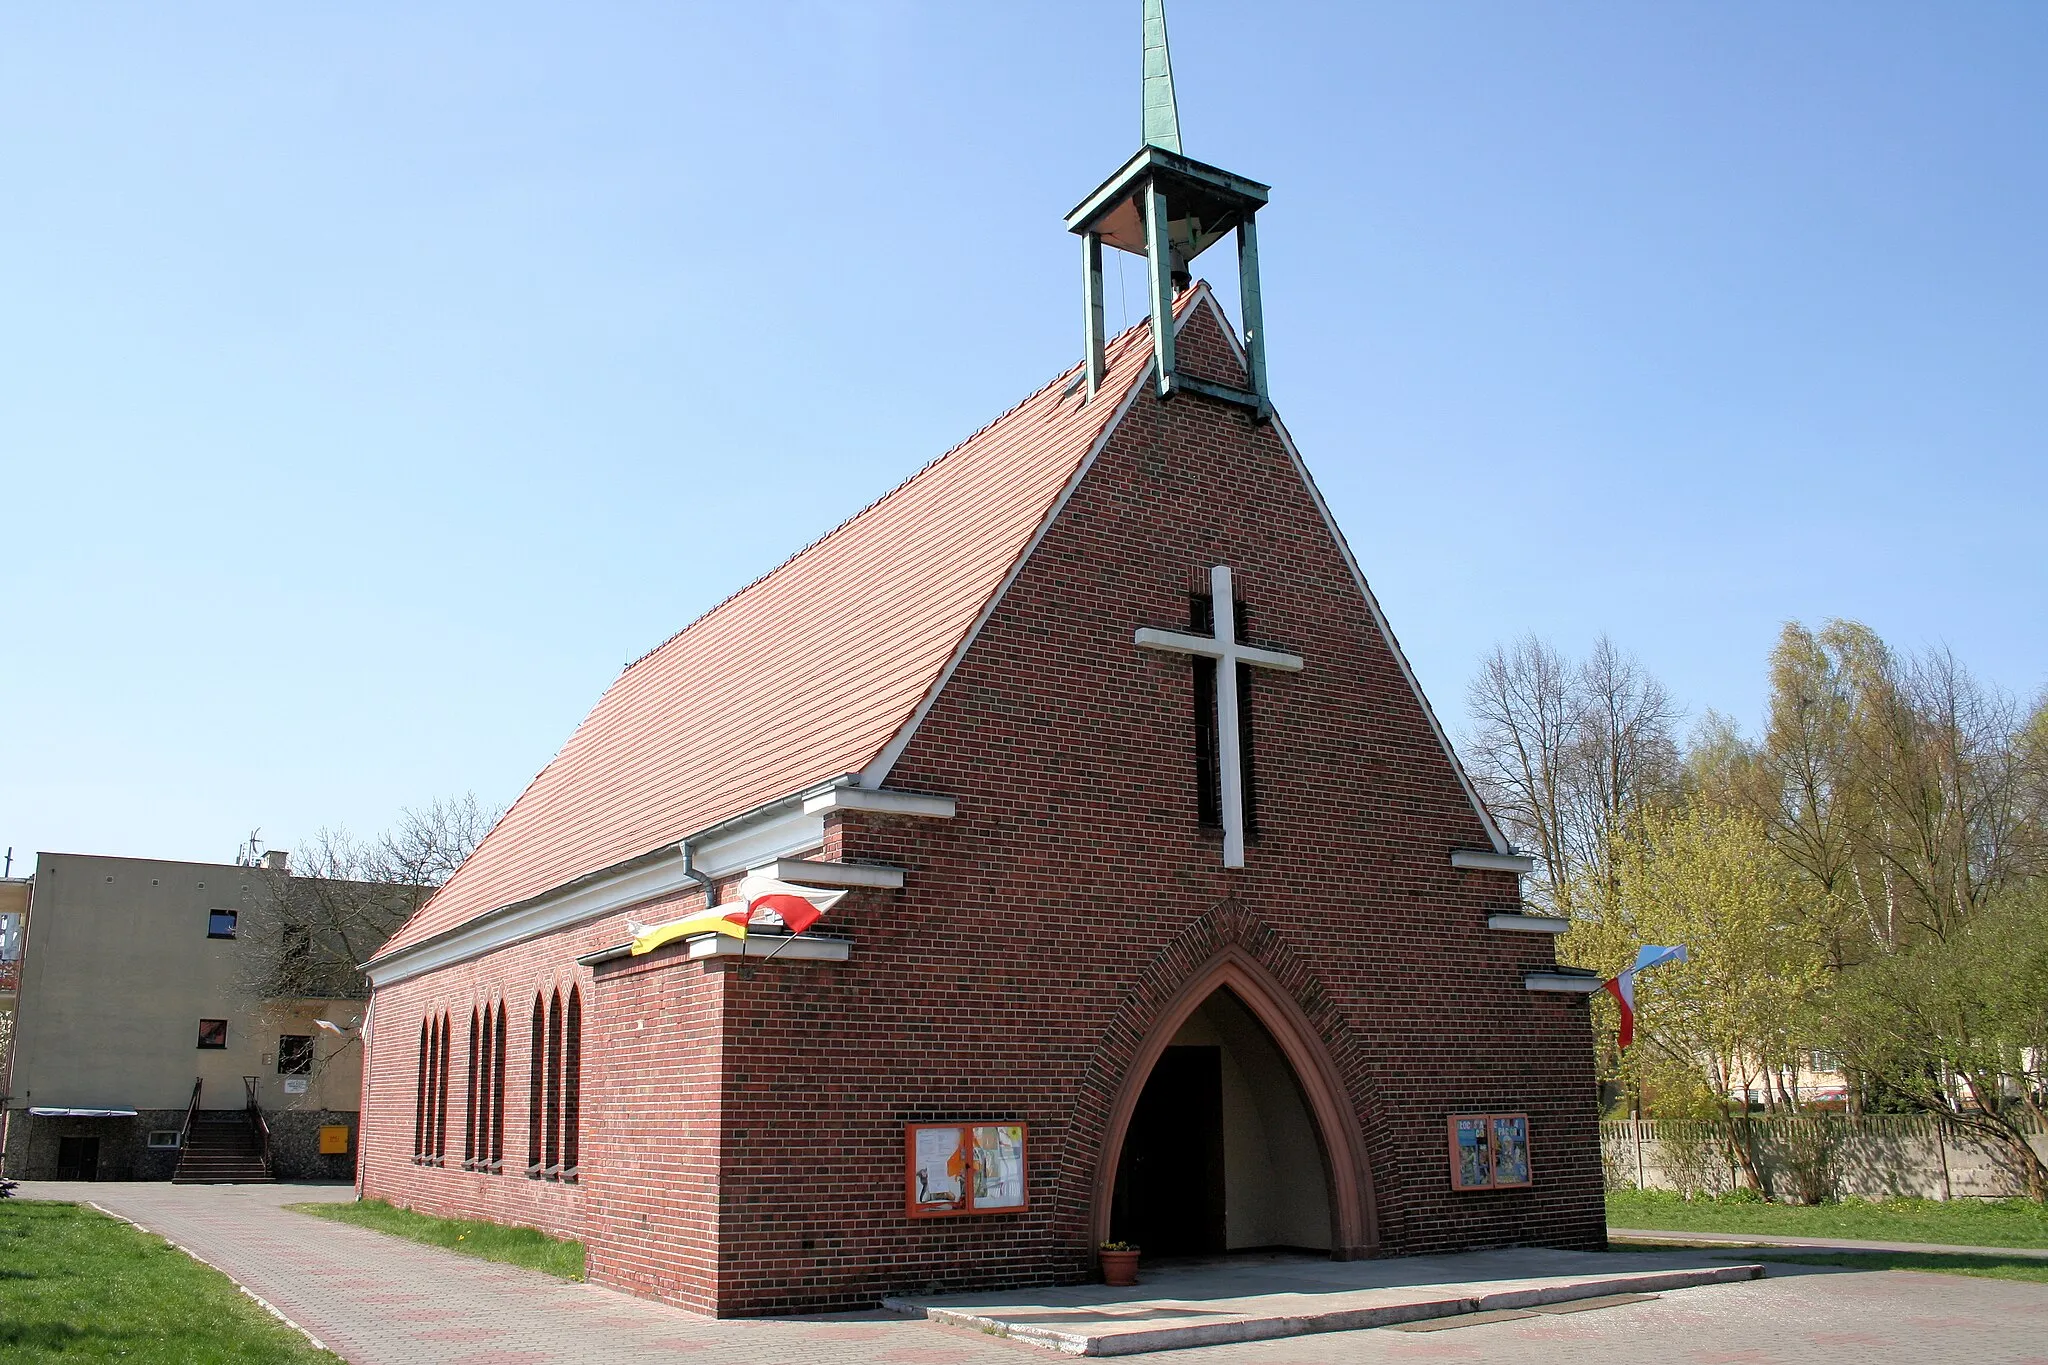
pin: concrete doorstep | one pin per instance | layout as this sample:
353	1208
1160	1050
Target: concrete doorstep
1213	1302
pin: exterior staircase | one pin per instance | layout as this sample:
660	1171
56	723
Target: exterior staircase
224	1146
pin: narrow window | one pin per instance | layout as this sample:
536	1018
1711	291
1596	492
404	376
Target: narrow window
433	1085
419	1108
441	1099
553	1146
213	1033
469	1080
1245	769
482	1091
498	1095
1208	774
295	1054
572	1082
536	1073
220	923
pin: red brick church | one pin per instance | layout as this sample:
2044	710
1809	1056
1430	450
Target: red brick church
1170	915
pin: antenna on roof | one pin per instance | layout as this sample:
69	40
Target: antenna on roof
250	854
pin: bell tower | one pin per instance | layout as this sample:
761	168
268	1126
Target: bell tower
1169	209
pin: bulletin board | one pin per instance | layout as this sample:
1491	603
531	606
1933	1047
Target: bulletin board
1489	1151
953	1169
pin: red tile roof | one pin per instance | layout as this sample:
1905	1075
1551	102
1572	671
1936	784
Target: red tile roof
802	676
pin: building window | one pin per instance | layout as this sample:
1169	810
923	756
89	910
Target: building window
213	1033
163	1137
441	1098
295	1054
10	936
472	1076
419	1109
498	1093
220	923
572	1079
537	1064
552	1156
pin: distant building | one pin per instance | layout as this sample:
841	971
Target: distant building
143	1047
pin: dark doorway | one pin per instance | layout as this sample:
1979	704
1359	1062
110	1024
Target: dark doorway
78	1158
1169	1179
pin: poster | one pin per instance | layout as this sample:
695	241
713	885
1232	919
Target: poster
1510	1149
1489	1151
952	1169
937	1168
999	1166
1472	1163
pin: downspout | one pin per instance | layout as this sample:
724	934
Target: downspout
709	883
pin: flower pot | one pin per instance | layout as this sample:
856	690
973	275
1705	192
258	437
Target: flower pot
1119	1267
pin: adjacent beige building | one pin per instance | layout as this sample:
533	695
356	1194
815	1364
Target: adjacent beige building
135	988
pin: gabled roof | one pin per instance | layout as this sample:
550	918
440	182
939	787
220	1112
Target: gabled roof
805	675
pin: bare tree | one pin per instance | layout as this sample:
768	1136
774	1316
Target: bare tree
345	897
1567	753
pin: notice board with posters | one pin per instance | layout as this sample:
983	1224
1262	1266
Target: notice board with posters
1489	1151
951	1169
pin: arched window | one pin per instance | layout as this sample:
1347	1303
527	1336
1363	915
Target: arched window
419	1108
441	1094
572	1081
498	1095
433	1085
536	1072
553	1153
471	1075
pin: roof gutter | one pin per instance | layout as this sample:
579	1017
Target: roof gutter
687	849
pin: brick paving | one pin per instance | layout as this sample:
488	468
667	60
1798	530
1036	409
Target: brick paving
380	1300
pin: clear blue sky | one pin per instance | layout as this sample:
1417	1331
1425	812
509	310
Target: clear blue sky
376	380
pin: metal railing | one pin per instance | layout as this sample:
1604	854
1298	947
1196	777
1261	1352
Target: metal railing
256	1117
191	1112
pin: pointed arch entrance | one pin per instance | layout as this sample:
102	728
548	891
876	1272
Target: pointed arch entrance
1233	1014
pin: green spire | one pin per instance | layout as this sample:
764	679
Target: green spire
1162	117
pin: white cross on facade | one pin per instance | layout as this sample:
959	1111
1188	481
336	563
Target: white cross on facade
1224	648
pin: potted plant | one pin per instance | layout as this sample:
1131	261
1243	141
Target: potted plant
1119	1263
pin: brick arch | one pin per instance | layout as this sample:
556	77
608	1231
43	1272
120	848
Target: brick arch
1229	947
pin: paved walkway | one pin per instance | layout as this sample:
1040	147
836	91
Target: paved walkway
1819	1243
381	1300
1221	1300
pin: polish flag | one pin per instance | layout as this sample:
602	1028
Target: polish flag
1623	985
798	907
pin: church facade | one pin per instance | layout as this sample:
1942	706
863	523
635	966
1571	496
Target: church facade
1170	916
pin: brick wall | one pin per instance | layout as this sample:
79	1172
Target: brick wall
756	1113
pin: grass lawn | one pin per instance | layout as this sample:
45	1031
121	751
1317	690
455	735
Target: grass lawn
528	1247
1961	1222
76	1285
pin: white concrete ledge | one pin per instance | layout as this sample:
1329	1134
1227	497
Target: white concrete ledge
1562	983
757	946
817	872
1529	924
1486	860
880	801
